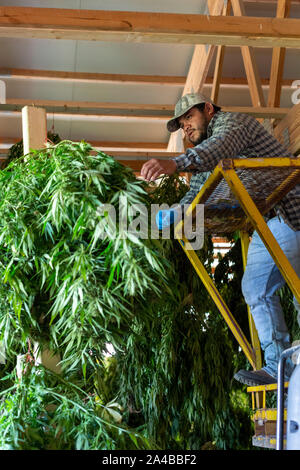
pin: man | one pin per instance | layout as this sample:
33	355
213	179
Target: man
217	135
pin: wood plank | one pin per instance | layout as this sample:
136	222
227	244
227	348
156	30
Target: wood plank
90	104
134	155
274	2
202	56
34	128
103	114
9	140
103	144
99	25
251	69
256	111
288	130
142	155
242	82
198	70
35	74
8	72
214	95
278	57
134	160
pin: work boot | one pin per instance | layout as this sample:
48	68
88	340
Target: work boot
254	377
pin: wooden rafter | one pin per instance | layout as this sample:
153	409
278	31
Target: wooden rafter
259	112
7	73
294	2
278	56
115	78
81	105
197	73
99	25
251	69
219	62
34	128
7	142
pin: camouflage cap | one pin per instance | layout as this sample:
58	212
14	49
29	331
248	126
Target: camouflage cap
185	103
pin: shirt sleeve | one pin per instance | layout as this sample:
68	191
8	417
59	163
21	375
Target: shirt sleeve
228	140
196	183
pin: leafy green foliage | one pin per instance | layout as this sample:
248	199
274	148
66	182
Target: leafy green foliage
63	283
65	286
179	378
44	411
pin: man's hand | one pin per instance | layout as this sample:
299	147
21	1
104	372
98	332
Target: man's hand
154	168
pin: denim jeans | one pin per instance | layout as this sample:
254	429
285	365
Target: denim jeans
260	282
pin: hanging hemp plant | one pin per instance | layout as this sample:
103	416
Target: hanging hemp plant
178	380
169	383
66	286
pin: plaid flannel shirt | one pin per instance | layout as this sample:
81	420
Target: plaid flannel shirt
236	135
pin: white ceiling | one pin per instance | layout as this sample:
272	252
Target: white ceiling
123	58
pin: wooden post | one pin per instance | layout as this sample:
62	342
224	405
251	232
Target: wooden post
34	126
2	92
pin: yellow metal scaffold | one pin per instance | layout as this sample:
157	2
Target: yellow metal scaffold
249	188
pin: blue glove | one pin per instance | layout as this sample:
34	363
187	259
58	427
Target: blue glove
165	218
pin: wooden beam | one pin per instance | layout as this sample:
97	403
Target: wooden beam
142	156
6	142
294	2
7	72
278	57
241	81
259	112
34	127
251	69
104	144
134	154
133	159
9	140
201	60
91	104
99	25
214	94
202	57
288	130
100	113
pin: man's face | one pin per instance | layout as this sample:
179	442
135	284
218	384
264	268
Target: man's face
194	125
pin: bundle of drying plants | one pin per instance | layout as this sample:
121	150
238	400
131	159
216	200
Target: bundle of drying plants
65	285
73	291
